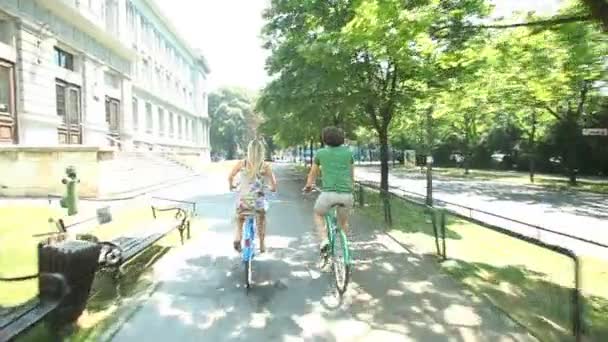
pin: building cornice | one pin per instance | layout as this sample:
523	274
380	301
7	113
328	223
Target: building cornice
70	14
197	56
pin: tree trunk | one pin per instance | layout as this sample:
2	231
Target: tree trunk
533	147
429	151
384	159
467	162
532	166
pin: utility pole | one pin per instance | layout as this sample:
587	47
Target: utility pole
429	156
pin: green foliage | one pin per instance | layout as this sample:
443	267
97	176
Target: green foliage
233	121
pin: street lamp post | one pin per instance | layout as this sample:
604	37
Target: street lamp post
429	157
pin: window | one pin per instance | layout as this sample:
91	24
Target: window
64	59
60	99
146	72
161	122
131	21
171	125
179	128
188	129
67	98
135	113
111	7
113	113
6	88
149	119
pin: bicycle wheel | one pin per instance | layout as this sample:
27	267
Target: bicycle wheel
248	274
341	261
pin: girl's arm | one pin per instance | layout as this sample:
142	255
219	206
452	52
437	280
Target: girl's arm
273	180
237	167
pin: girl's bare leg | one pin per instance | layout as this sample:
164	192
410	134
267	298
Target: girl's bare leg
240	220
262	230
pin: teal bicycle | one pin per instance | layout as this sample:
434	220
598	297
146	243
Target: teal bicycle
338	252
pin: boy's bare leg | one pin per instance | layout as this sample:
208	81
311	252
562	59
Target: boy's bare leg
321	228
343	214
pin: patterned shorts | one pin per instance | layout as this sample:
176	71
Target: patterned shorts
250	204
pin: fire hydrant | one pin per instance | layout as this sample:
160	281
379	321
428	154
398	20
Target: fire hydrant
70	200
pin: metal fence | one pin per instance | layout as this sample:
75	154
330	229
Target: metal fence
537	283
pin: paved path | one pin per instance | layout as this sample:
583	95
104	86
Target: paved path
580	214
395	295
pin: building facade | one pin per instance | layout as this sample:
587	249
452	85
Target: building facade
100	73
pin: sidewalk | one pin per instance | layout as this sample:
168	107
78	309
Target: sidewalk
395	294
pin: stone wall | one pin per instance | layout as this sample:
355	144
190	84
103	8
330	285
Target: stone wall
38	171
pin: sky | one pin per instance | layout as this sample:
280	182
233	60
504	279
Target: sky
227	32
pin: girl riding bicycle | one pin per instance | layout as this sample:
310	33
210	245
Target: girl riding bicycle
254	172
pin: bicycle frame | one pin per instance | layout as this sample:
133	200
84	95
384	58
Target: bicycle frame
333	230
249	238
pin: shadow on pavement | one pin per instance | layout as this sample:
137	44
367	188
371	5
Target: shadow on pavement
395	295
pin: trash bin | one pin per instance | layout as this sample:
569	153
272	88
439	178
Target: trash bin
77	261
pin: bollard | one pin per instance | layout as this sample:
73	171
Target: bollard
70	200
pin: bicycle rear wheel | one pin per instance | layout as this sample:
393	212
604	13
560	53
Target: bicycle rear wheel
248	271
341	261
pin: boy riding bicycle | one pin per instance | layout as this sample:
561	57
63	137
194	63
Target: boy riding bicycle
336	164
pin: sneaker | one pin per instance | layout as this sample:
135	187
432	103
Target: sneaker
324	249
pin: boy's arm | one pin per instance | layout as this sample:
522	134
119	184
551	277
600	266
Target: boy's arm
312	176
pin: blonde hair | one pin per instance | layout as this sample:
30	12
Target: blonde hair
255	158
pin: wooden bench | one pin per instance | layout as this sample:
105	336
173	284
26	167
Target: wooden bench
118	251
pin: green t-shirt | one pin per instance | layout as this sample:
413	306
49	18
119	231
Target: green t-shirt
336	164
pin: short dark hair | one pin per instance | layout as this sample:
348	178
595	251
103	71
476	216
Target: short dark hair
333	136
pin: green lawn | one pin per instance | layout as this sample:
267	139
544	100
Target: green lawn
555	182
530	283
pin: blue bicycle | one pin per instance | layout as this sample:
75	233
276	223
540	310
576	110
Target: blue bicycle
248	247
248	250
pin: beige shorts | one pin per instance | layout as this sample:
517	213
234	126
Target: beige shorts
328	199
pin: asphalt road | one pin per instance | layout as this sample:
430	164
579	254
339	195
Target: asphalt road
395	295
581	214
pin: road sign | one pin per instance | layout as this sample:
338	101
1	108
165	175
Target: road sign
595	131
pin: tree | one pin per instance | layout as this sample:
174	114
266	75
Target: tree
372	58
233	121
557	73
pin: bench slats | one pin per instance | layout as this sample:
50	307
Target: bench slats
22	317
143	238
